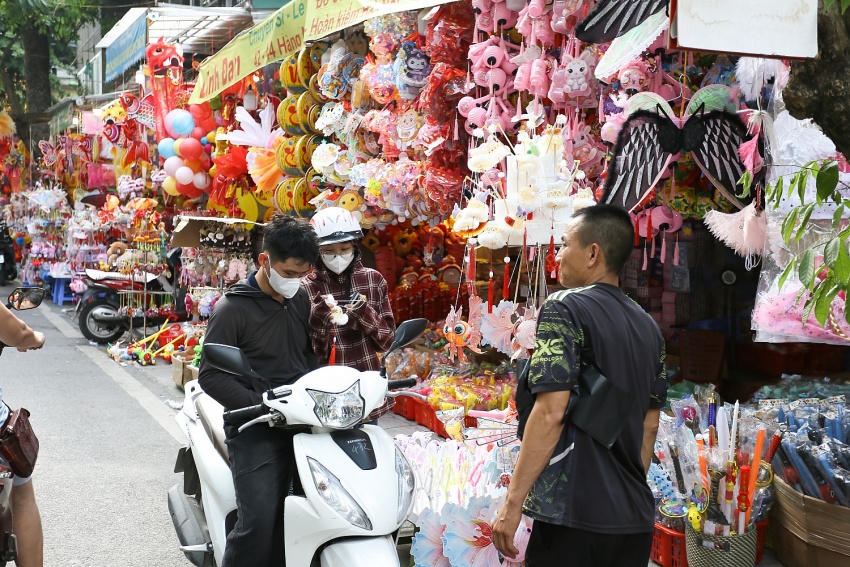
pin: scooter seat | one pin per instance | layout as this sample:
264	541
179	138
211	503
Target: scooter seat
211	414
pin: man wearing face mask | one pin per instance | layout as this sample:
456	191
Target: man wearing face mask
360	291
265	315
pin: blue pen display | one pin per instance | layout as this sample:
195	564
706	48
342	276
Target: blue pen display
810	486
826	470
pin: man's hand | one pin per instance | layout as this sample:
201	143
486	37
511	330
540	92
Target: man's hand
36	344
504	529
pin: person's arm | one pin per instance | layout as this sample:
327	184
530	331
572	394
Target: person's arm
224	327
650	430
375	316
657	400
542	432
16	333
321	335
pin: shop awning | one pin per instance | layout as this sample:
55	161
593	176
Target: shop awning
198	30
124	43
284	32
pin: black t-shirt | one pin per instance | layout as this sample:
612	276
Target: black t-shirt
585	485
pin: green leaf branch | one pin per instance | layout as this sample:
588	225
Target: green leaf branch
823	275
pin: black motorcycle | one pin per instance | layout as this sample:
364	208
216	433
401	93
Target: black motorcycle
99	309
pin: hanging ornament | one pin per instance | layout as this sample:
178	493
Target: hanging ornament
551	264
490	293
676	252
507	279
471	267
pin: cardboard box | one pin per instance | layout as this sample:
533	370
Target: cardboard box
179	368
810	532
177	371
192	373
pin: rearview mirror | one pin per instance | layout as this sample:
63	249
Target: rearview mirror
408	332
228	359
23	298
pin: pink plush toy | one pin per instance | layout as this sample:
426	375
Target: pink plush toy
539	79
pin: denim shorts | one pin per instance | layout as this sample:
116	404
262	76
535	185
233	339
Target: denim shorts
16	480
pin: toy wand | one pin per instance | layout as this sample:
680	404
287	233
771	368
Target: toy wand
751	488
743	500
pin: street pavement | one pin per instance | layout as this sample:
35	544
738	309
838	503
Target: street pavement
108	444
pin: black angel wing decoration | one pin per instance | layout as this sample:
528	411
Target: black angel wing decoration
711	132
610	19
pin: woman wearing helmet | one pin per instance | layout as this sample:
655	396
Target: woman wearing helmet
340	279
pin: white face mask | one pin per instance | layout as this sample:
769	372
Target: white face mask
287	287
338	264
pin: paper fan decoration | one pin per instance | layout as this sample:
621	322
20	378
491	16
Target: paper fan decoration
630	45
262	165
427	547
468	540
497	328
252	134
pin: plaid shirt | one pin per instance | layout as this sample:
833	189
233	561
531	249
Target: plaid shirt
370	329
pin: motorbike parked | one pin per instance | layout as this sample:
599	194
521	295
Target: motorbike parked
356	487
98	311
21	299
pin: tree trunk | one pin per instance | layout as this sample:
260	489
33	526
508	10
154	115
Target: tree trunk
37	72
820	88
11	93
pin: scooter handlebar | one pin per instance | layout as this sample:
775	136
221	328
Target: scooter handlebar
245	414
399	384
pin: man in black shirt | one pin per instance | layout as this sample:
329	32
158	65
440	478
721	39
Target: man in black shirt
590	504
266	316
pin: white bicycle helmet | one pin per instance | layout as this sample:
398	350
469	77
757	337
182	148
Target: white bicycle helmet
335	224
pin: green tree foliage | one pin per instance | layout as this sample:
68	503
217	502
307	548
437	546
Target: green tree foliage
36	37
823	269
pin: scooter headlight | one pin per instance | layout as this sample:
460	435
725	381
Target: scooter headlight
335	496
339	409
405	485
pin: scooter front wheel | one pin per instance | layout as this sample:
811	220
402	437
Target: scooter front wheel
98	331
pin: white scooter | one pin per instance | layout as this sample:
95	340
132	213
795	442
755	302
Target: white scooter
357	485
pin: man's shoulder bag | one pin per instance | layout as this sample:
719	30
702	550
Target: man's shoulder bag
596	406
18	443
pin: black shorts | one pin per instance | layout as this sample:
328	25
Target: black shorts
552	545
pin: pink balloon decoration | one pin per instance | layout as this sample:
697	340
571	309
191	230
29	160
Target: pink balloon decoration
198	133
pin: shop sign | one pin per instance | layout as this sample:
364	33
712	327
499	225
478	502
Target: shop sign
769	28
272	39
128	48
285	32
